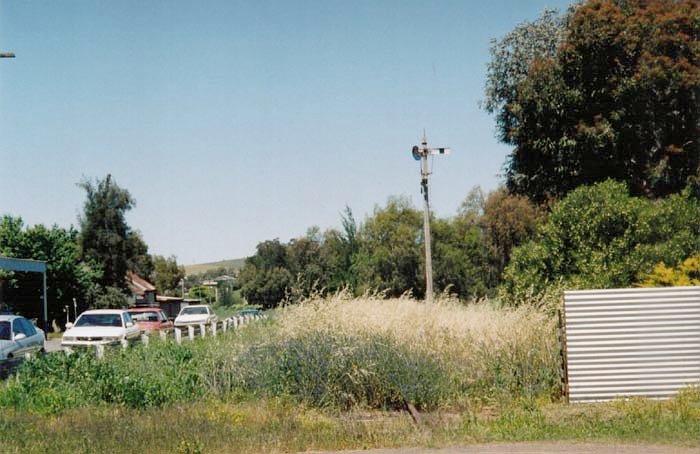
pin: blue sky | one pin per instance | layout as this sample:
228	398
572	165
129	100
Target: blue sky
235	122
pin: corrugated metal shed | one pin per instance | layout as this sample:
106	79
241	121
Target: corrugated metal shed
631	342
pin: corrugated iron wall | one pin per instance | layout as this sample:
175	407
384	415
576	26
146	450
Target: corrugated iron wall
631	342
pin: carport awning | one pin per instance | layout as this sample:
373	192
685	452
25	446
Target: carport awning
29	266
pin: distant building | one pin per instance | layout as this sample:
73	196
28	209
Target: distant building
171	305
142	291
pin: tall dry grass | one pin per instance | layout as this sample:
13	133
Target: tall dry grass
487	349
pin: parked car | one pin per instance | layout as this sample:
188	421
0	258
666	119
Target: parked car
254	312
100	326
150	319
19	337
195	315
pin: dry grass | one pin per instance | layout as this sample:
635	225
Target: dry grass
483	344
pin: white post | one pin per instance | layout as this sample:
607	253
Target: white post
190	332
125	344
203	330
178	336
144	339
163	335
224	325
100	351
213	329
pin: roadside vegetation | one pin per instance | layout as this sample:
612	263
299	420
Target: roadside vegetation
601	190
328	373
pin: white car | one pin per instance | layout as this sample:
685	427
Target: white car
19	337
100	327
195	315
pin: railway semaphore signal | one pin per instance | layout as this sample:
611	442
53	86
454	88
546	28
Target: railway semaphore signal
420	153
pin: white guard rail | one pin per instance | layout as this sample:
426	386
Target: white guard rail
190	332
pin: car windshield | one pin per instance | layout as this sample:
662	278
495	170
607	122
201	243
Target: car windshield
194	310
150	316
5	331
99	320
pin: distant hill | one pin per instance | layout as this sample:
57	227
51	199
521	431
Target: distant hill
199	268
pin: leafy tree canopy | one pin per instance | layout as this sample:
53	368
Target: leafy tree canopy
66	276
106	241
601	237
609	90
167	274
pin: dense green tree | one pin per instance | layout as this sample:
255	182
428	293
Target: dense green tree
338	251
265	278
167	274
66	276
390	249
614	94
460	258
601	237
110	298
507	221
139	260
106	241
512	58
266	287
305	262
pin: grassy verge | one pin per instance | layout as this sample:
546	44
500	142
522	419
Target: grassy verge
282	425
327	374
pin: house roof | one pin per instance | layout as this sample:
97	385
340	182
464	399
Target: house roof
137	284
168	299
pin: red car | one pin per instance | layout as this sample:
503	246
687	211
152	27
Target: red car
150	319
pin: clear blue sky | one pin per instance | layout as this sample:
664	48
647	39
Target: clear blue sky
235	122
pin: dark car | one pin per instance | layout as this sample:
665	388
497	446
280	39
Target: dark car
254	312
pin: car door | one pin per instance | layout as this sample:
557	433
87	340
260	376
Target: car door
20	346
132	331
35	339
165	324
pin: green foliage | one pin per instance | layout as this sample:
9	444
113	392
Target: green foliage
386	252
460	258
106	241
316	262
167	274
607	91
138	259
390	250
110	298
512	58
687	273
66	276
206	294
601	237
508	220
139	377
332	370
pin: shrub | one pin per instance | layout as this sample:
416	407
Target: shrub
138	378
342	371
685	274
601	237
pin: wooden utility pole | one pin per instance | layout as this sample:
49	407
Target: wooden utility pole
420	153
